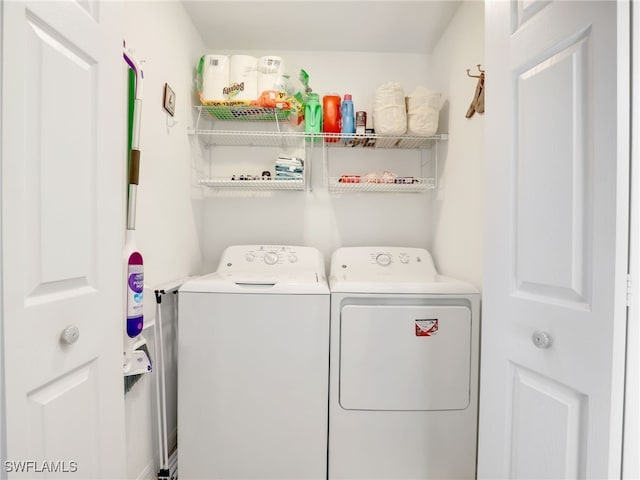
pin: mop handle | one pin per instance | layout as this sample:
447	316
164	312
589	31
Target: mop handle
134	155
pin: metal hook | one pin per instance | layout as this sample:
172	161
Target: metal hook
477	104
476	76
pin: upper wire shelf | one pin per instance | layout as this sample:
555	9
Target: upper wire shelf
281	135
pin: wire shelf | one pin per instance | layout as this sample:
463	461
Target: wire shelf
284	135
242	138
279	133
373	140
330	140
254	185
419	185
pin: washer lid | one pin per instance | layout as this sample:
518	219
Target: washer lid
390	270
308	283
265	269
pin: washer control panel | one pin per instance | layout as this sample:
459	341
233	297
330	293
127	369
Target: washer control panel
383	263
270	258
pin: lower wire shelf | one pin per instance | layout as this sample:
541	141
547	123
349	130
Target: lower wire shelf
418	185
254	185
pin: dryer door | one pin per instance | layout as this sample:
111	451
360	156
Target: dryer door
405	357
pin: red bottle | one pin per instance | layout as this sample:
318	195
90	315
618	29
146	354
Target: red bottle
331	121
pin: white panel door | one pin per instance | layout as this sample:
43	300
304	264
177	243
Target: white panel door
556	228
63	156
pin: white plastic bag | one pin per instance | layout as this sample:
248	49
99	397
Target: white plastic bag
389	110
423	112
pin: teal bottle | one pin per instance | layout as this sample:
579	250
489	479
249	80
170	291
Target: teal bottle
313	117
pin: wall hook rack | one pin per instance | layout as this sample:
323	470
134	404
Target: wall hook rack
476	76
477	103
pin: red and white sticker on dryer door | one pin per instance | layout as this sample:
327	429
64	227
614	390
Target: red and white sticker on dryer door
426	327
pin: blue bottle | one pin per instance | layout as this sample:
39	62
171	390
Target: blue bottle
348	118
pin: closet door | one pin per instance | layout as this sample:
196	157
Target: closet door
63	157
554	308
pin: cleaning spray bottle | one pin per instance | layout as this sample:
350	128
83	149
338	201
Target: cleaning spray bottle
135	290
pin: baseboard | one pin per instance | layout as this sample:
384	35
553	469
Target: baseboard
150	471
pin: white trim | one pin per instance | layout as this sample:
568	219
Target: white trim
631	441
3	432
616	427
150	471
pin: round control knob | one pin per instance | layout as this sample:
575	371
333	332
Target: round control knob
250	257
70	334
383	259
541	339
271	258
293	259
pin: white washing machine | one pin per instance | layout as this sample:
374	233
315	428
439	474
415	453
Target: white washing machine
403	392
253	356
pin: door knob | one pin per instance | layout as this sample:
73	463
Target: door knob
70	334
541	339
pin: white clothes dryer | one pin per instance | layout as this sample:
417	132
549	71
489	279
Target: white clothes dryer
403	392
253	355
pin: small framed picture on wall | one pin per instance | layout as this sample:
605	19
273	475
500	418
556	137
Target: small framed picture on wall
169	100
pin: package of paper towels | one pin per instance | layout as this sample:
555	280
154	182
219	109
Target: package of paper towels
243	78
214	76
270	74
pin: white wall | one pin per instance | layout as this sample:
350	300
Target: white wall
161	34
317	218
457	209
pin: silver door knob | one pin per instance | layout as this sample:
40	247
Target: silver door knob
70	334
541	339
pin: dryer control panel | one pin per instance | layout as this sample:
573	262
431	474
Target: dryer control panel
388	264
